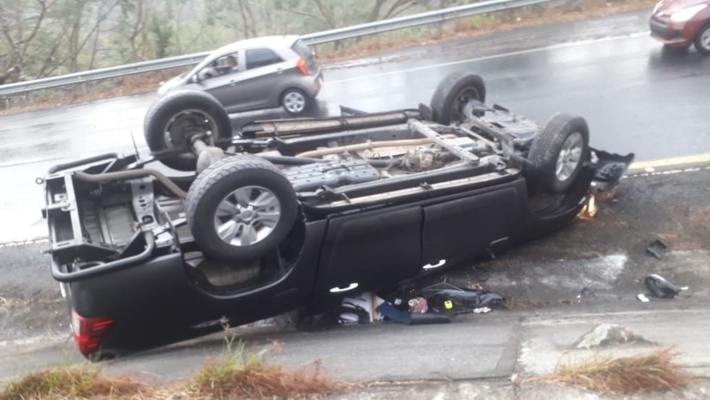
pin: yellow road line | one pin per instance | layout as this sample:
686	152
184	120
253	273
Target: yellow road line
701	158
23	243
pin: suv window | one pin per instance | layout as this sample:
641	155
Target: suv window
261	57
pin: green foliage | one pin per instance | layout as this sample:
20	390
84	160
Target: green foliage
83	34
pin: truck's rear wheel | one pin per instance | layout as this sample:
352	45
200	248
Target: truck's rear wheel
174	119
452	95
559	151
240	208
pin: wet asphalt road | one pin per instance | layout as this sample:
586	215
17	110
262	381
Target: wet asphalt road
636	98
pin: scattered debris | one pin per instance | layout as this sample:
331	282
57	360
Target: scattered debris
660	287
447	298
590	209
653	372
657	248
433	304
586	292
608	335
643	298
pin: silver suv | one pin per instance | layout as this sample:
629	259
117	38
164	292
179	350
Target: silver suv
254	74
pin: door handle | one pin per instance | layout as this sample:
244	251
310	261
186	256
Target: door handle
437	265
279	71
345	289
232	83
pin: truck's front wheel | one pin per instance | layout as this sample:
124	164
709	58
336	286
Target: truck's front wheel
559	151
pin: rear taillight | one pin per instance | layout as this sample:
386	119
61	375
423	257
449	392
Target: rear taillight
301	65
88	332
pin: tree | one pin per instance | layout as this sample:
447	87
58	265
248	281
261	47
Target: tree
20	21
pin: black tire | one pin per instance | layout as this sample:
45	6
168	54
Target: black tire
217	183
703	48
294	92
452	94
546	149
159	118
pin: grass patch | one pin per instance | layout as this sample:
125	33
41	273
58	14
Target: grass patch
237	374
243	374
653	372
72	383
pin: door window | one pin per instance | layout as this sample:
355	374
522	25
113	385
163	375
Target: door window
224	65
261	57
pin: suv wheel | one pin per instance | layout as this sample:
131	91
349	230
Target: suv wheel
174	119
559	151
452	95
241	208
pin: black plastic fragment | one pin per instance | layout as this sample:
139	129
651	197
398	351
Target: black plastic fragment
657	248
660	287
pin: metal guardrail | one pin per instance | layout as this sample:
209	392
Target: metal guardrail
311	39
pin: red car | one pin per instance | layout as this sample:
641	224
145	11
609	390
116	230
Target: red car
681	23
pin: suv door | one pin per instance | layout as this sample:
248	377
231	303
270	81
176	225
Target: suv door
370	251
458	230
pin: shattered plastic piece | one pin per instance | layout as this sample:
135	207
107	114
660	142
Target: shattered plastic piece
482	310
608	335
660	287
643	298
657	248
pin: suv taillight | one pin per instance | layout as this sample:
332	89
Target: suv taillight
88	332
301	65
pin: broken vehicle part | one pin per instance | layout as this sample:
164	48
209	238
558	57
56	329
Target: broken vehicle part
657	248
661	287
611	169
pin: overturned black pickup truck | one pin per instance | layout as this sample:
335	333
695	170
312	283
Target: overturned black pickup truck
296	214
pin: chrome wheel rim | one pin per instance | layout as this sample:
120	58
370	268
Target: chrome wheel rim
705	39
294	102
570	156
247	216
464	96
187	124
